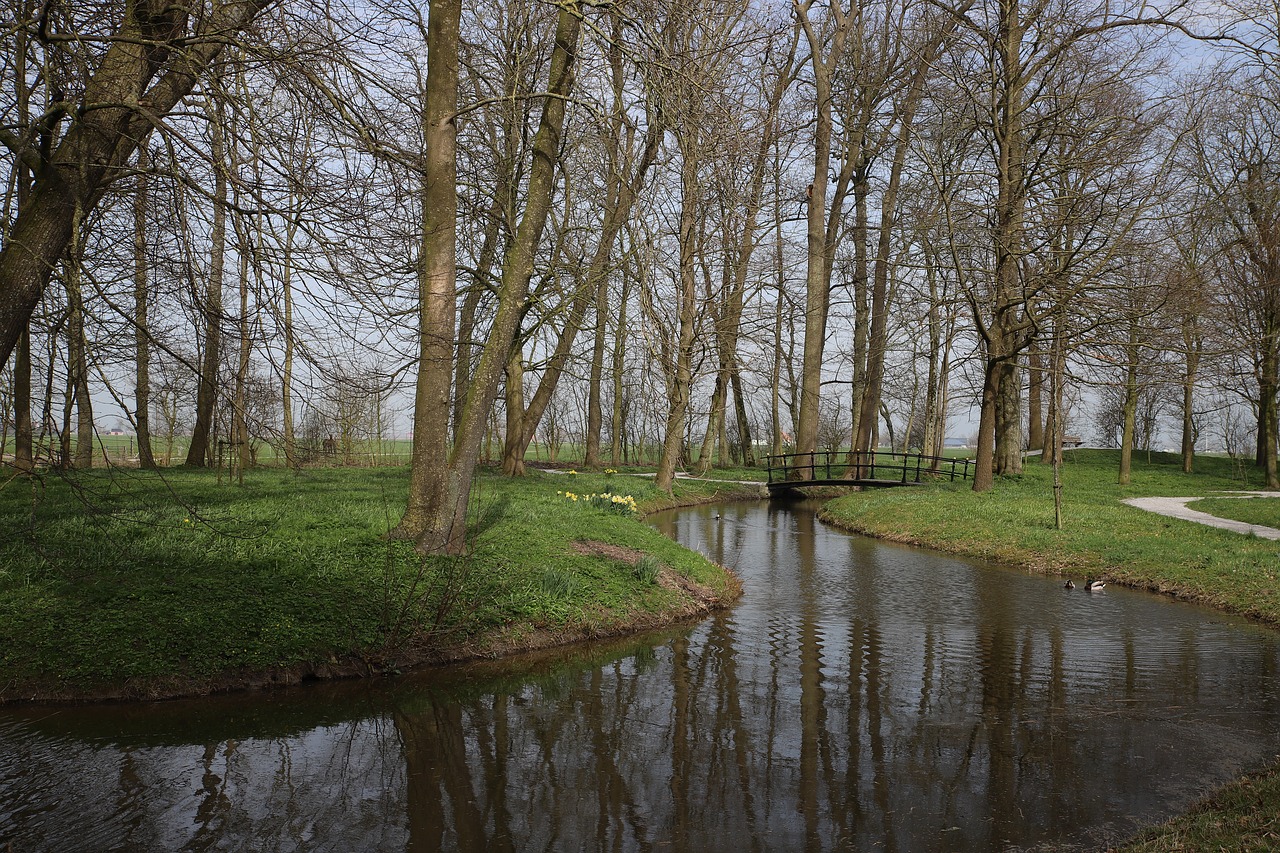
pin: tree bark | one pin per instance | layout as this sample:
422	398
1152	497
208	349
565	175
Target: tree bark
1035	401
141	318
999	428
23	433
200	453
432	489
78	354
1132	352
514	447
1192	347
617	448
682	372
818	248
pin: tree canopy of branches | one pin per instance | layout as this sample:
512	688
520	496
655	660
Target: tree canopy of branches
655	231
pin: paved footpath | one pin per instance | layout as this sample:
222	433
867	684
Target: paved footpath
1177	508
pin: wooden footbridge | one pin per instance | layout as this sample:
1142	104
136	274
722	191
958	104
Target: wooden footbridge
877	469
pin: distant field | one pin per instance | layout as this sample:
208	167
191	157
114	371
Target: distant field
123	450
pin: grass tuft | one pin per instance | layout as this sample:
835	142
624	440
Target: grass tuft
647	568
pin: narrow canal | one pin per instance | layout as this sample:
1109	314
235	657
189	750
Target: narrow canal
862	696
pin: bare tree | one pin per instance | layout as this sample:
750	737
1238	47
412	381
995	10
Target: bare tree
149	65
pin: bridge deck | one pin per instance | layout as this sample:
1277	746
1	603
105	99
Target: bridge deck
880	469
792	485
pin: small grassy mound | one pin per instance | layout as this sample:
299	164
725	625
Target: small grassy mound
126	583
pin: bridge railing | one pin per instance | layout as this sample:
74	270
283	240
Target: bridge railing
880	465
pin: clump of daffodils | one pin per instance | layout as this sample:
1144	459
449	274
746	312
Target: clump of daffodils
623	504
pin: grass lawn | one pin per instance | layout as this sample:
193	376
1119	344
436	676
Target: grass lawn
1254	510
138	584
1014	524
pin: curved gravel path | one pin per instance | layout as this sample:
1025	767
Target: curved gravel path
1177	508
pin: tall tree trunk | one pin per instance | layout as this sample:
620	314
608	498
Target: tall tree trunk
1132	352
78	350
290	347
1000	425
433	492
715	423
514	447
600	293
248	232
1055	425
746	447
617	365
682	369
23	455
861	322
595	407
1035	404
933	381
141	319
984	453
239	412
1193	346
818	246
780	301
1268	386
1009	442
200	453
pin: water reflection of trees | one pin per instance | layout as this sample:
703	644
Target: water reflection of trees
841	725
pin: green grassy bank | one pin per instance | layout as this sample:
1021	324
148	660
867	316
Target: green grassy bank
132	584
1101	537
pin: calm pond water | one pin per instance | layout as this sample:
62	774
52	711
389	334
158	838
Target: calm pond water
861	697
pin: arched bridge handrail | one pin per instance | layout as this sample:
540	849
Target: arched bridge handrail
864	466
